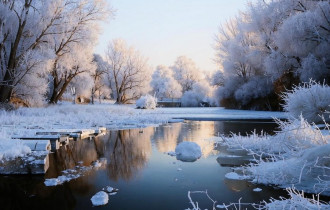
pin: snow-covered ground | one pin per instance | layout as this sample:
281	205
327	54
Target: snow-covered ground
27	121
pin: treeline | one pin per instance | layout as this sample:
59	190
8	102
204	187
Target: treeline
271	47
46	46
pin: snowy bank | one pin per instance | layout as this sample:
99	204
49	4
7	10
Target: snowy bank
297	155
27	121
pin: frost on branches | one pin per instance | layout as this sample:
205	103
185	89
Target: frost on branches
312	100
271	47
299	155
164	85
128	72
41	45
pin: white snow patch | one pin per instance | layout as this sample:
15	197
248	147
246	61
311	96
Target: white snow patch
60	179
100	198
74	173
188	151
11	148
257	189
108	189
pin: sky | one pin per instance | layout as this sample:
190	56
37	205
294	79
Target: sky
163	30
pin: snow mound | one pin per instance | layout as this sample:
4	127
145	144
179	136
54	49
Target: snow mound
11	148
257	189
100	198
188	151
146	102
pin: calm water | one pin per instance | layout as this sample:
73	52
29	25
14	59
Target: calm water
137	164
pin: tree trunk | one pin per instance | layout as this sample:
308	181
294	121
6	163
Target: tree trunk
6	90
57	95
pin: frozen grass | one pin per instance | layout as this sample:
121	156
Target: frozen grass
296	200
294	136
297	155
312	100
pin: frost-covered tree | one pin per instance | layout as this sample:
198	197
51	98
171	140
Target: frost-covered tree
217	79
100	87
201	92
128	72
34	33
26	27
186	72
275	44
73	48
164	85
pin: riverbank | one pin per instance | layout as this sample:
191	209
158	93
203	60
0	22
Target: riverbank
28	121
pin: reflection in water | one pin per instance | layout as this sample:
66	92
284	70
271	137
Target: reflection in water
171	135
168	136
68	156
128	152
236	185
30	193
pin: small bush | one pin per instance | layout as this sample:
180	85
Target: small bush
146	102
312	100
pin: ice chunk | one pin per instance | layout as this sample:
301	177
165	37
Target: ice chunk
233	175
108	189
100	198
171	153
51	182
257	189
188	151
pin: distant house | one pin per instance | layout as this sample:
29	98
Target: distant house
169	102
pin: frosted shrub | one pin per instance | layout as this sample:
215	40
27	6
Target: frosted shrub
146	102
297	200
312	100
295	136
298	154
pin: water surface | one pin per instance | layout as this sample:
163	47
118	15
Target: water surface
138	165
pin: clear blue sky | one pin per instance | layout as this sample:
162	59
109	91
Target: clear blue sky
162	30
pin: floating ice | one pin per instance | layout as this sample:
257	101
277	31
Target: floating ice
188	151
257	189
235	176
108	189
100	198
61	179
171	153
